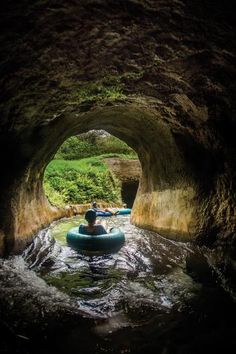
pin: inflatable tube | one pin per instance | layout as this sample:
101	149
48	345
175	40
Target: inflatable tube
120	212
111	241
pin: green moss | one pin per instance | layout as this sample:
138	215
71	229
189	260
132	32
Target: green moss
97	92
133	75
110	88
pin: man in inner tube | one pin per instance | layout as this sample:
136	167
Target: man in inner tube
96	208
94	227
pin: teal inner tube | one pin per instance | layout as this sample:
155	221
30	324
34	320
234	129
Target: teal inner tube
120	212
107	242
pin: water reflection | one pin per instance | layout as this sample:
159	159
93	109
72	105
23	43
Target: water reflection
154	295
147	275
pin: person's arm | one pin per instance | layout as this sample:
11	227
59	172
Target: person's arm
104	230
101	230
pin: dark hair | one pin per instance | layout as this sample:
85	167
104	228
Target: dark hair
90	215
94	204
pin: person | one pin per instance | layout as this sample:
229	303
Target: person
93	227
95	207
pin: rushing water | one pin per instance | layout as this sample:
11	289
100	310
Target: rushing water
148	273
153	294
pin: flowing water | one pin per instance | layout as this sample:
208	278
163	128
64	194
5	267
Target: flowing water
147	274
152	295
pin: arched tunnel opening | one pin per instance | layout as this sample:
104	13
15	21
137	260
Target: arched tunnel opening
168	186
174	197
92	166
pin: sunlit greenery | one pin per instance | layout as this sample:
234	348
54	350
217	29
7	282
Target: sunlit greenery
79	173
78	147
80	181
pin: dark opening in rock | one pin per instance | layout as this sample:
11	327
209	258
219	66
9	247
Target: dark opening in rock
128	192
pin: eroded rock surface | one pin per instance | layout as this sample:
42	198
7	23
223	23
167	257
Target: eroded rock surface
129	173
158	74
125	170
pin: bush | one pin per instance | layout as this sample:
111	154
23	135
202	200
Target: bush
76	148
56	198
77	183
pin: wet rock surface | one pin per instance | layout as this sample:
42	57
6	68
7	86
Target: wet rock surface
31	311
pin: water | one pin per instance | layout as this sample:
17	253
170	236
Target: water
147	274
152	295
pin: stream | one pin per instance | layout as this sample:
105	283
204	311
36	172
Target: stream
154	295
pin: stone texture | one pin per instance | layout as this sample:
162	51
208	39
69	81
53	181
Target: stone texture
125	170
158	74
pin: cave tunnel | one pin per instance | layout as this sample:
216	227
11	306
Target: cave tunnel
167	90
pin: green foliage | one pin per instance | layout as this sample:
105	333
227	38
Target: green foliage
97	91
111	144
79	174
109	88
90	144
76	148
77	182
55	197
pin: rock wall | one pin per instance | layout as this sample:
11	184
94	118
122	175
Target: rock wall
158	74
125	170
129	173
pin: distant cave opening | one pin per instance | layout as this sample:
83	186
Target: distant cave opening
128	192
92	166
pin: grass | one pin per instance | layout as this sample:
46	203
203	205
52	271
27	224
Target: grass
81	166
87	164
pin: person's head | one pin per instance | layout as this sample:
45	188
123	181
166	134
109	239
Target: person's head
94	205
90	216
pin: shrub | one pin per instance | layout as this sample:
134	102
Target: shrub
77	183
76	148
111	144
